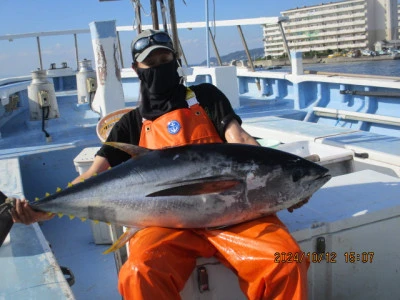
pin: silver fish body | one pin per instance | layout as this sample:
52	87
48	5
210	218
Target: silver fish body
195	186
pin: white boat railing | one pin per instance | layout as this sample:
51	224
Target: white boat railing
38	35
186	25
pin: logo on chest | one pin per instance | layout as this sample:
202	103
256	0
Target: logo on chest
173	127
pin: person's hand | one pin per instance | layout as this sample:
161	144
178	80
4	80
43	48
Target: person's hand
22	212
298	205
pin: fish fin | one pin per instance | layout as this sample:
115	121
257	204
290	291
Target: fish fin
132	150
198	188
6	221
123	239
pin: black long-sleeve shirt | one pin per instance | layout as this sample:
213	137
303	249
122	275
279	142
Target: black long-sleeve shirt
128	128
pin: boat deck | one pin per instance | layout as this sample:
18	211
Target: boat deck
30	167
20	136
95	273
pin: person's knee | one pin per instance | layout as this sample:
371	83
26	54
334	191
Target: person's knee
137	281
129	278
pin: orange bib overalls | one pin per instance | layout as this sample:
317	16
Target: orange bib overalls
162	259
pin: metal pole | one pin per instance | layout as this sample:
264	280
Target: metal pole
76	52
246	49
257	80
174	30
285	43
207	36
40	53
120	50
163	15
215	47
138	16
154	14
183	53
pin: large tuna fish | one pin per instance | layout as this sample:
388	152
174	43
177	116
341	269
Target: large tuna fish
193	186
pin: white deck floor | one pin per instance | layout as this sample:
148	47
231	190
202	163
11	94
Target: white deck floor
95	273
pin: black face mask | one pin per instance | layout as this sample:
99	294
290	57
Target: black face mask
160	80
160	90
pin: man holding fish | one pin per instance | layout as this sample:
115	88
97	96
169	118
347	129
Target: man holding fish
162	259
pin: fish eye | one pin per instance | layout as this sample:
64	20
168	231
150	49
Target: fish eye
297	175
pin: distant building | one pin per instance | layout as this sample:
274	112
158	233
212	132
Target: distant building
398	13
352	24
392	44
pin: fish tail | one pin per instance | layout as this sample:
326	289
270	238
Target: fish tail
6	221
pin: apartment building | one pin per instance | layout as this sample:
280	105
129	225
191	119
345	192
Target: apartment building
352	24
398	12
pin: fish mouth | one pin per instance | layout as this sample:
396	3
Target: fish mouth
323	178
326	175
317	182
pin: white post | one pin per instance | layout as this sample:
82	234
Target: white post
297	63
109	94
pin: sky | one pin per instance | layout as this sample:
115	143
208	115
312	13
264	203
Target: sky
20	57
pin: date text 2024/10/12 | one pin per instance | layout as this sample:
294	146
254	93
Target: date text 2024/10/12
327	257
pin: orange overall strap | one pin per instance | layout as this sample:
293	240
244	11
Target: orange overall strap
179	127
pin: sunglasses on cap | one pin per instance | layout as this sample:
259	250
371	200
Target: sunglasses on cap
159	38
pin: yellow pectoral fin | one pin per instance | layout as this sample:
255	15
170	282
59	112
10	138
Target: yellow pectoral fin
123	239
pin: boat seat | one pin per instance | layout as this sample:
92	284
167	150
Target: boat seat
209	280
368	145
288	130
369	148
378	147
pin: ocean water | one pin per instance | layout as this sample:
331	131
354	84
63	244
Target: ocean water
383	67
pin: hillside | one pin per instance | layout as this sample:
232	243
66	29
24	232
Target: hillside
237	55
